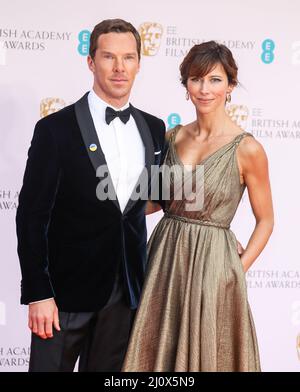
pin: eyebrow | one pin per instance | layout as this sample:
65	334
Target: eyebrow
126	54
132	53
211	76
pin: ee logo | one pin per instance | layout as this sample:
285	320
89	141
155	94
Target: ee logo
84	42
173	120
268	47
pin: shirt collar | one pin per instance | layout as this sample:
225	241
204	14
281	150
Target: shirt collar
99	105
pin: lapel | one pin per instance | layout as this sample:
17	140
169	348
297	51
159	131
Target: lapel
146	137
89	135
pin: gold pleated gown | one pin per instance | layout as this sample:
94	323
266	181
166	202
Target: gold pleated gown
194	313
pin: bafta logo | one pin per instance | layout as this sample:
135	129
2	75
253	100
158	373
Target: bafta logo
51	105
239	114
298	346
151	36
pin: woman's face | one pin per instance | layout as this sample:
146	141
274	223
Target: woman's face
208	93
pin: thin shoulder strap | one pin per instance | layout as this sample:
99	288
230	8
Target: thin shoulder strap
174	133
241	137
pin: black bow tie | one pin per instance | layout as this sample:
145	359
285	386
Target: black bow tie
123	115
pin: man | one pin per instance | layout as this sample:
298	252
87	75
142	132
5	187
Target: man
83	256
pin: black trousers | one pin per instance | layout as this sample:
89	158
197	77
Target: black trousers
99	339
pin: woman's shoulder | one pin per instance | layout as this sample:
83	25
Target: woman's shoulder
250	149
172	132
249	144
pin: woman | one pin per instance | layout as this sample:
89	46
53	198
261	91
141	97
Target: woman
194	314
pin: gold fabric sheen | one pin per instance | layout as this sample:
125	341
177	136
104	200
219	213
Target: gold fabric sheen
194	313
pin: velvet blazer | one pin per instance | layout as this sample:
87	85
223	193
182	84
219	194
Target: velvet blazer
70	243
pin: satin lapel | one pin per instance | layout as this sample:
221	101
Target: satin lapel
149	150
90	137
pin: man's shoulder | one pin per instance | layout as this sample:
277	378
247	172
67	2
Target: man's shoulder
155	123
150	117
62	115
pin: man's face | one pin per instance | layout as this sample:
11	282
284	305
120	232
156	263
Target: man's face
115	66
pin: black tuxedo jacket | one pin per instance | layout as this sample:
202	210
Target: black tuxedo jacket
71	244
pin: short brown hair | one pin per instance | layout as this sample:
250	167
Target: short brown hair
202	58
113	26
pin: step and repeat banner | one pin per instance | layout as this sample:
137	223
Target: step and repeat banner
43	50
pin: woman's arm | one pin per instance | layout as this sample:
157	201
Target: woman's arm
253	165
152	207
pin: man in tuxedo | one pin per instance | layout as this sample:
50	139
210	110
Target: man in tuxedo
82	255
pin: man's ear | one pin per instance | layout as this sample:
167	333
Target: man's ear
90	63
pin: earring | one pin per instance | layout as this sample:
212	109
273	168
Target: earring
187	95
228	98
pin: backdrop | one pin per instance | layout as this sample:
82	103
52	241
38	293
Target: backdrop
43	48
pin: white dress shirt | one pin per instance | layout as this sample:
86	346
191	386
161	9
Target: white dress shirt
122	146
123	149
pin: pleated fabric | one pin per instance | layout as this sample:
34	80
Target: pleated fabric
194	313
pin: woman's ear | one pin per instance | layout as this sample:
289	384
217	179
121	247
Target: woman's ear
230	89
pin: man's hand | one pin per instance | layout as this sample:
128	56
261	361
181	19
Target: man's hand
240	249
41	317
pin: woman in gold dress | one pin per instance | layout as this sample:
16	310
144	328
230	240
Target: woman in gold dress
194	313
